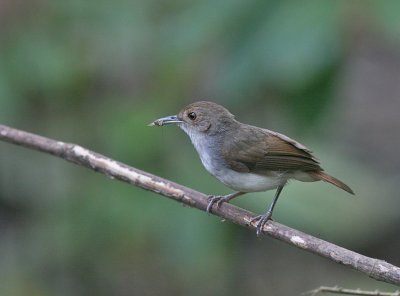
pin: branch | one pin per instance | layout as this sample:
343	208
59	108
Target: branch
374	268
338	290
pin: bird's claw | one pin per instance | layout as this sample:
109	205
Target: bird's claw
261	221
214	199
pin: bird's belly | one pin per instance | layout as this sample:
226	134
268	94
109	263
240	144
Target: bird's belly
244	182
249	182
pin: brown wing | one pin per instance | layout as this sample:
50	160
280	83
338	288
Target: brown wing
259	150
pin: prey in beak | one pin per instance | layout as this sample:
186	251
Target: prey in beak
165	120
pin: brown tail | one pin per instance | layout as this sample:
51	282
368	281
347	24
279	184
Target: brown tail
319	175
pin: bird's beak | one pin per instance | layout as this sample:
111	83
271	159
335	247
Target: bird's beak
166	120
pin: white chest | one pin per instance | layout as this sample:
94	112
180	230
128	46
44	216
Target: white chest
244	182
208	156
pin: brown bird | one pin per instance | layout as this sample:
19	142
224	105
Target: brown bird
246	158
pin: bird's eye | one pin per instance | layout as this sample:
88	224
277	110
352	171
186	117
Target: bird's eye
192	115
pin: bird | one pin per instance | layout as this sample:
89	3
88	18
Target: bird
244	157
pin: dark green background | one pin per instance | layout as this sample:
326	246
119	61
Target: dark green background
97	72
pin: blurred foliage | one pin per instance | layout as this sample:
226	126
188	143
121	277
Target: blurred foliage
96	72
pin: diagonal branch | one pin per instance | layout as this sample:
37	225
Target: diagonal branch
374	268
342	291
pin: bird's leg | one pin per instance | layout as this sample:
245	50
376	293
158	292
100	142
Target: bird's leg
219	199
262	219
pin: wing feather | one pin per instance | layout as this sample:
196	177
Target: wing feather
259	150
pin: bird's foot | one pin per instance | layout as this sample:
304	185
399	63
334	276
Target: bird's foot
216	199
261	221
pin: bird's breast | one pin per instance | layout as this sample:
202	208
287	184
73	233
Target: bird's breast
208	152
214	163
211	161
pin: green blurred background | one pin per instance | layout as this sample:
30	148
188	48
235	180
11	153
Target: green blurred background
326	73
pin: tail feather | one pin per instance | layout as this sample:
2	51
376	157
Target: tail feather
319	175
